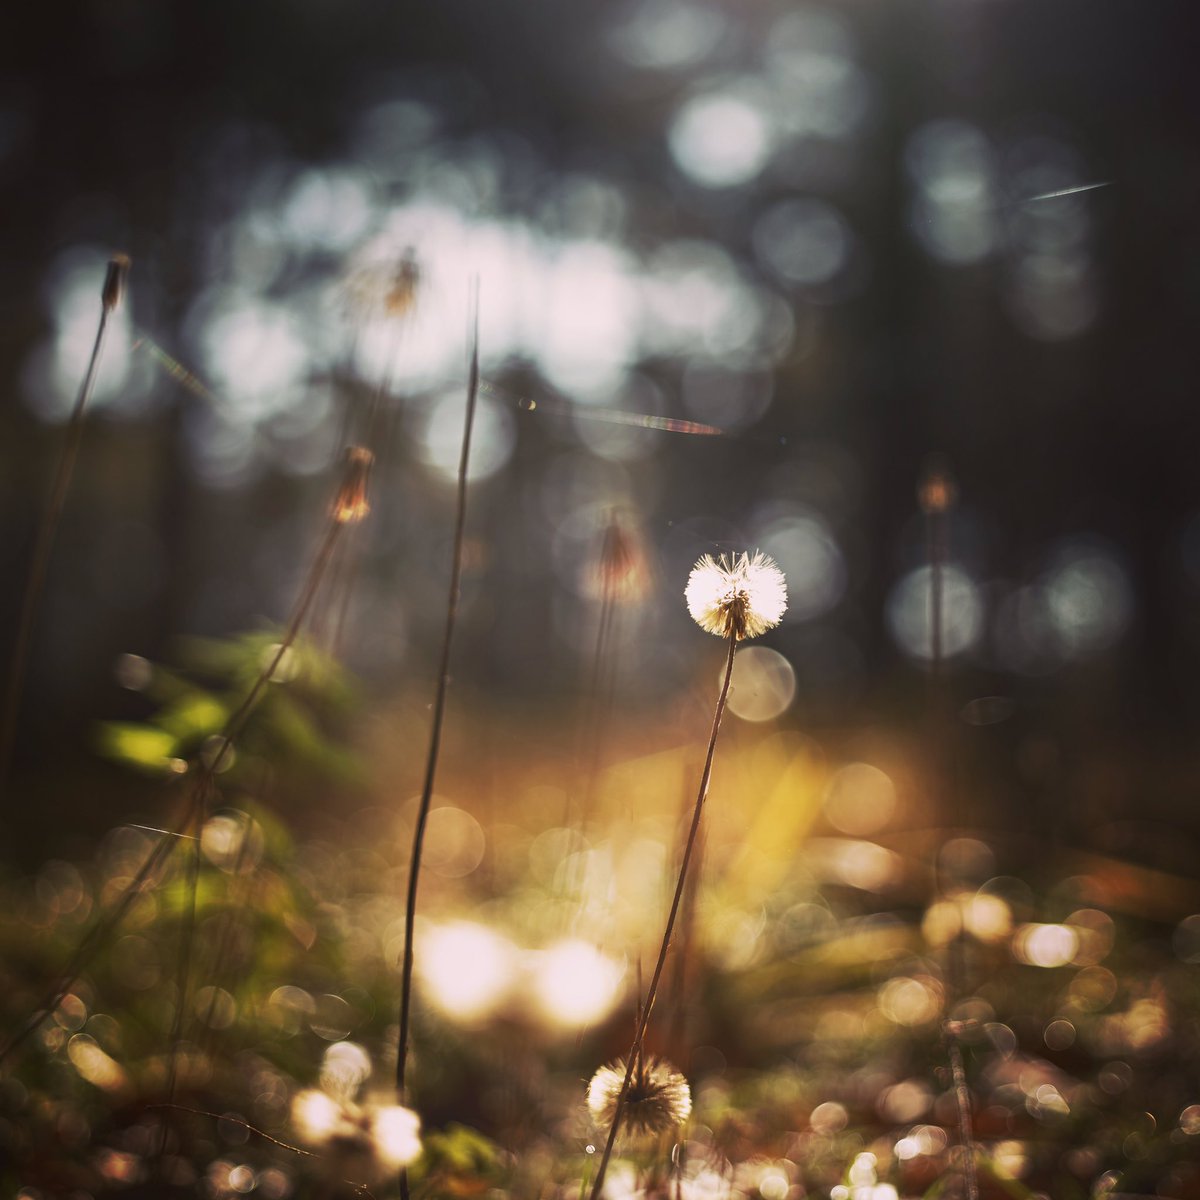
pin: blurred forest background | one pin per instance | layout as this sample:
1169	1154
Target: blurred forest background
744	268
804	225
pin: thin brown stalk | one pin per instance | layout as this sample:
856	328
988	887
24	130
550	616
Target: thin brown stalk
648	1004
35	581
937	496
439	713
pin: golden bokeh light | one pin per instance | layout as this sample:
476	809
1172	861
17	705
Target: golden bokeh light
466	969
575	984
860	799
395	1134
764	686
96	1066
1045	945
829	1117
914	1000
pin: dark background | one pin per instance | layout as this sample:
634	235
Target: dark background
148	128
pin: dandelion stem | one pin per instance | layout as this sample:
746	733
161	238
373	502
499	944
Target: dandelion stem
35	581
652	991
439	711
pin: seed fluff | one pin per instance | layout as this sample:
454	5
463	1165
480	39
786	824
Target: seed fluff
740	597
658	1098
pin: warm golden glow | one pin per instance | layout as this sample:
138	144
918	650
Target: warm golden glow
1045	945
96	1066
395	1134
575	984
466	969
910	1001
860	799
316	1116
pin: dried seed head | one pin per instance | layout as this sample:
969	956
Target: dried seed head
620	571
658	1098
403	285
739	597
386	287
114	282
350	504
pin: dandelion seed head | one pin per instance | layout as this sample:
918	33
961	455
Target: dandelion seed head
658	1099
740	597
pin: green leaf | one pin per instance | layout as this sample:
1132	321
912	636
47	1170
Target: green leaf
141	746
194	716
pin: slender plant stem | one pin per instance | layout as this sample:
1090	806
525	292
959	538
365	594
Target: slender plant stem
439	713
635	1052
35	581
935	535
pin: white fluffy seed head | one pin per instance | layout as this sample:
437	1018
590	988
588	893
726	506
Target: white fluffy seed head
740	597
658	1098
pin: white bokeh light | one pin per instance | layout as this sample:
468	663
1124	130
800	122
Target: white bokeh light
255	353
492	438
722	138
910	612
807	553
764	685
805	240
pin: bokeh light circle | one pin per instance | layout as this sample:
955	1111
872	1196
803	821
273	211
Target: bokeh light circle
910	609
764	684
492	439
859	799
721	138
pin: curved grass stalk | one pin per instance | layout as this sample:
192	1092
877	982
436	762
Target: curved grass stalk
35	581
439	713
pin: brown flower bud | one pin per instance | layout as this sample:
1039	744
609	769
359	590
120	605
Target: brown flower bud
114	282
350	504
620	570
936	492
